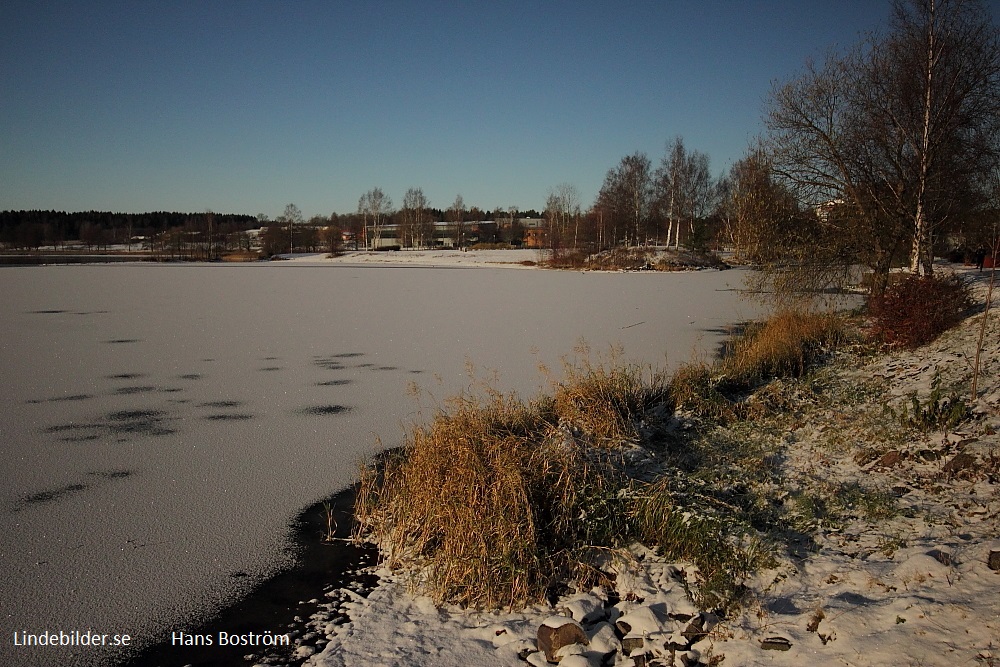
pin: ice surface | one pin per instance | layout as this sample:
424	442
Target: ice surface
161	424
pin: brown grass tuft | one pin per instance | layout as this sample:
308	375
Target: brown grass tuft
784	345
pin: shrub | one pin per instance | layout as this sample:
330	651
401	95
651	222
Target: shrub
915	311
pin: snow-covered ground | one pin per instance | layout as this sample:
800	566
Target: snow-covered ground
919	587
161	424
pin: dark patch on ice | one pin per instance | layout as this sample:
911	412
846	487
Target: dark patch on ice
179	401
270	368
91	312
238	574
49	496
333	383
45	312
270	358
62	428
112	474
209	359
347	355
125	376
325	410
134	415
416	372
127	391
329	364
365	365
80	438
170	390
139	422
387	368
190	376
221	404
123	341
238	417
60	399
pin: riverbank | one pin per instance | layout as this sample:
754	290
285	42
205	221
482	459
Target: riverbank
892	556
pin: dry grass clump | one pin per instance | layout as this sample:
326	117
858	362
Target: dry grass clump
784	345
695	388
499	501
491	500
608	400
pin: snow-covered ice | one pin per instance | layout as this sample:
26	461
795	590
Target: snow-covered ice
161	424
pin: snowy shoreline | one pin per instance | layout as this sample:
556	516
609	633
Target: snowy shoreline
919	587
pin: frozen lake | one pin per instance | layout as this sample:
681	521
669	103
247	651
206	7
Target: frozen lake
161	424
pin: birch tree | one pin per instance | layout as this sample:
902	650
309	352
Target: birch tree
902	130
456	213
685	190
413	221
626	196
374	207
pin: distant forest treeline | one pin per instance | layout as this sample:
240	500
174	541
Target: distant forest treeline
96	229
33	229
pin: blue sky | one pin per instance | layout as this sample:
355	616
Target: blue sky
245	106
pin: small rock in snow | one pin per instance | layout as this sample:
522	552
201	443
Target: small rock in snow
559	631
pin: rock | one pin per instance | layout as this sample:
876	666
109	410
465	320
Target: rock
776	644
537	659
632	642
603	639
889	459
576	660
942	557
642	620
695	630
585	608
993	562
641	659
559	631
962	461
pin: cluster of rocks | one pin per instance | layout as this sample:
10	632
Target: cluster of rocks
590	630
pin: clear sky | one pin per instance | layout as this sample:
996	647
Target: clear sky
244	106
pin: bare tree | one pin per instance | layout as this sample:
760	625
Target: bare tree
627	195
507	222
413	221
291	217
456	215
685	190
901	130
562	211
374	207
332	236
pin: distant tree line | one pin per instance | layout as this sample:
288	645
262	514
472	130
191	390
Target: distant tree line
30	230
